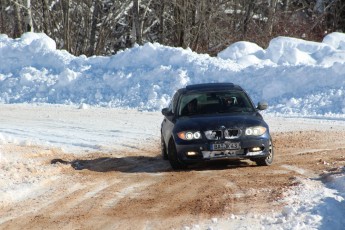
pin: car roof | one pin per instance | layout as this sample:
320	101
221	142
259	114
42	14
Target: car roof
212	86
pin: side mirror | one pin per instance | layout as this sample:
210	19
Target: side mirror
166	112
262	105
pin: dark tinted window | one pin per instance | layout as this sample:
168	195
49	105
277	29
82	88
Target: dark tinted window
214	102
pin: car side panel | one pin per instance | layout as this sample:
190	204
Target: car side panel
167	127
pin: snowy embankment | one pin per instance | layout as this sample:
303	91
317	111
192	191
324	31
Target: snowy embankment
298	78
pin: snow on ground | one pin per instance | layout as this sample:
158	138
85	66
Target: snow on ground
311	206
299	79
76	130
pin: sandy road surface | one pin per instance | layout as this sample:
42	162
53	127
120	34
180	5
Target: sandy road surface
138	190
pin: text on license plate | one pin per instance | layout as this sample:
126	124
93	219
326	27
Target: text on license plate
226	145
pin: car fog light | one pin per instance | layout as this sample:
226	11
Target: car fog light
255	149
192	153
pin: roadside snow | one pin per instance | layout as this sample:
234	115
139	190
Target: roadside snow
295	76
77	130
310	206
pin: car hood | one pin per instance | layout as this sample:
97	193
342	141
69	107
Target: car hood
204	123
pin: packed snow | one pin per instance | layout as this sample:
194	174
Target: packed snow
298	78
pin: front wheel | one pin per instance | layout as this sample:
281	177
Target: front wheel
268	160
175	163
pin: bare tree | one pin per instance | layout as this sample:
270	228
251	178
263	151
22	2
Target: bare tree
247	18
334	12
161	31
286	4
28	17
18	29
95	21
137	22
96	27
45	17
66	23
271	15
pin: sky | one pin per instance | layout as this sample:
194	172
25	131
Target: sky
298	78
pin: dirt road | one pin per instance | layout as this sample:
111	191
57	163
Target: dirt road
138	190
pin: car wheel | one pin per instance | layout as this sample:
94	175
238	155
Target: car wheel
163	149
172	156
268	160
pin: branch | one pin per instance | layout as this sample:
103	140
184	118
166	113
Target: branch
18	4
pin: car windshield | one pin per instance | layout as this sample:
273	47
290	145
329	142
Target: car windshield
214	102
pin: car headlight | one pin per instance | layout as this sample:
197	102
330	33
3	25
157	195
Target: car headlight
255	131
189	135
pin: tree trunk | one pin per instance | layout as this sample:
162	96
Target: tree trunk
180	23
136	22
65	9
18	29
95	14
286	4
271	15
247	19
161	23
46	16
28	17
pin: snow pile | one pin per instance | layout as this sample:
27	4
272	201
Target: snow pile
293	75
245	53
142	77
290	51
336	40
309	206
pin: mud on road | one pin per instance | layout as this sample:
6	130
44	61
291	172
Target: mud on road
139	190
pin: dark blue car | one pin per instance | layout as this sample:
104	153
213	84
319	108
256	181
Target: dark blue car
214	121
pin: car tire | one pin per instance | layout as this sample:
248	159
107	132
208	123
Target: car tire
163	149
268	160
175	163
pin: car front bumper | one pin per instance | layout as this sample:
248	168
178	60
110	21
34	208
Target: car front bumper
250	148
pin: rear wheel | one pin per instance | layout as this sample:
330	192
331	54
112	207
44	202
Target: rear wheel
172	156
268	160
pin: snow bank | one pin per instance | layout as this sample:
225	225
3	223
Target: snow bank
310	205
293	75
336	40
290	51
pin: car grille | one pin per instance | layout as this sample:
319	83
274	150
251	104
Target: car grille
232	133
222	134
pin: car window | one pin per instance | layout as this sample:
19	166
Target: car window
214	102
173	102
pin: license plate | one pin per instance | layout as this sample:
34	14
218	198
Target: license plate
226	146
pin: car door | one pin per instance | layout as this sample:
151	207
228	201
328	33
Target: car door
169	119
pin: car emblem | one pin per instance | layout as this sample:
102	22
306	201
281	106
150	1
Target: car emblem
222	127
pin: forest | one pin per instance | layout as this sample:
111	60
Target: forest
103	27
